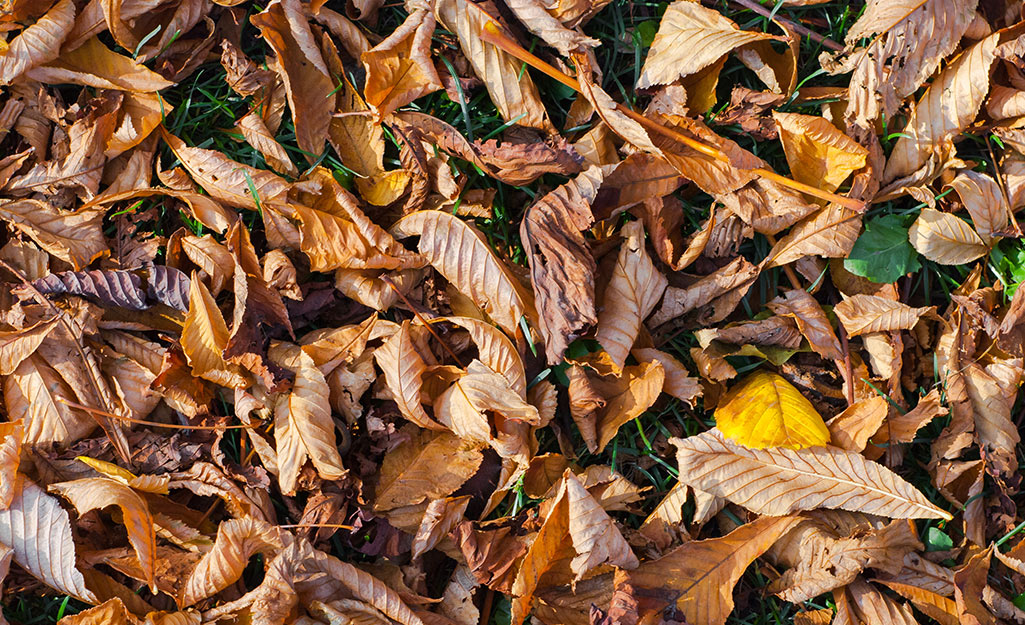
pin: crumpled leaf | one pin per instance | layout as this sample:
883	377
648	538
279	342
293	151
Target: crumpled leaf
634	289
400	69
539	21
429	465
237	541
780	481
302	421
204	337
561	265
764	410
97	493
460	253
37	44
75	237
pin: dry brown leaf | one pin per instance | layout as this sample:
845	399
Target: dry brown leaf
818	153
237	541
74	237
985	202
932	604
302	69
700	575
852	428
461	253
830	233
95	65
950	103
404	369
39	531
400	69
811	320
691	37
633	290
627	397
862	314
678	381
303	427
908	39
428	465
97	493
713	296
38	394
946	239
37	44
780	481
562	269
515	96
17	345
825	561
861	604
204	337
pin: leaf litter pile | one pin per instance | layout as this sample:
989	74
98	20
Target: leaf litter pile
568	312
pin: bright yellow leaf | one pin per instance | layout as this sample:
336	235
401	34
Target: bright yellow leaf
767	411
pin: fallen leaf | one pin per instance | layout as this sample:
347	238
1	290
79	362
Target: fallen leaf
861	314
764	410
780	480
945	239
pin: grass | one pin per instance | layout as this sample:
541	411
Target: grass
205	111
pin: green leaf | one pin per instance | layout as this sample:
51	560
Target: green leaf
937	540
883	253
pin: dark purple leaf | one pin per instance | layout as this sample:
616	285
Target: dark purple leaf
168	286
113	288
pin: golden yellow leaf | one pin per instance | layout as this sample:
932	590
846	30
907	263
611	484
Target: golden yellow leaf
764	410
818	153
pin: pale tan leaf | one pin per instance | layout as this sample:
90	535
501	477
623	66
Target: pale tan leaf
780	481
702	573
37	44
862	314
224	179
861	604
440	518
255	131
535	16
38	394
461	253
237	541
358	141
465	405
932	604
945	239
818	153
515	96
12	435
213	259
908	41
95	65
594	534
404	369
495	350
902	428
811	320
204	337
992	390
634	289
301	66
332	241
950	103
140	115
826	562
690	38
665	522
17	345
985	202
364	587
303	427
830	233
428	465
97	493
74	237
39	531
